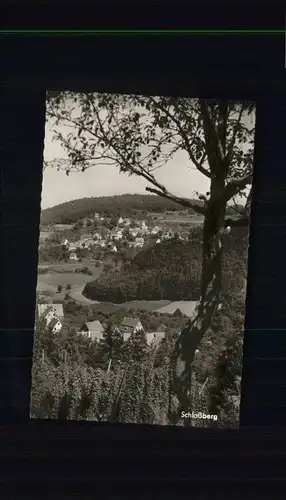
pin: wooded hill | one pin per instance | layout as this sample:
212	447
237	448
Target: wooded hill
125	205
170	270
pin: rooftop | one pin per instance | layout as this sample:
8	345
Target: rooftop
53	322
56	308
94	326
132	322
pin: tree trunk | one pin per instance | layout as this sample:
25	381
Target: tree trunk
109	365
211	282
115	407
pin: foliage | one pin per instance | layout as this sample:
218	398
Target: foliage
53	253
170	270
70	378
110	346
126	204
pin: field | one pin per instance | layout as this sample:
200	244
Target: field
177	219
186	307
146	305
64	279
69	267
44	235
62	274
62	227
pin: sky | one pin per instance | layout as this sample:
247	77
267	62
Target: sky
178	175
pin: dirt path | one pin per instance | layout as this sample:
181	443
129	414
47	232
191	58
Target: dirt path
76	294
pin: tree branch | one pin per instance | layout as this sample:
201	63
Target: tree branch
240	222
235	186
248	203
222	126
184	202
185	138
232	142
244	220
213	147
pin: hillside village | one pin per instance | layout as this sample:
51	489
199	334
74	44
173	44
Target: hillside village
104	243
101	236
53	317
114	285
141	297
113	234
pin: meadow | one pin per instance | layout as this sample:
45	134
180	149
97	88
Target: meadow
146	305
62	275
175	218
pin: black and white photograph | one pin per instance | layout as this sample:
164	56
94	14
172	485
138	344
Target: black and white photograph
142	259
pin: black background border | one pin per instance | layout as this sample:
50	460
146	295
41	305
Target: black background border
77	456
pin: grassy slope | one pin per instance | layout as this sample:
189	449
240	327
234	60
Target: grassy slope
73	210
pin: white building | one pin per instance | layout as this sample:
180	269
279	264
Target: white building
52	314
118	235
111	247
139	242
55	325
130	326
97	236
154	338
93	330
73	254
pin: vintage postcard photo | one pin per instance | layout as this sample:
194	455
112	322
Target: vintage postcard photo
142	267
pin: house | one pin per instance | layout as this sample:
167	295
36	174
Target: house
127	222
134	232
139	242
154	338
111	247
120	220
118	235
89	243
53	315
97	236
155	230
55	325
82	243
50	310
93	330
73	255
158	241
168	235
130	326
96	216
144	230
